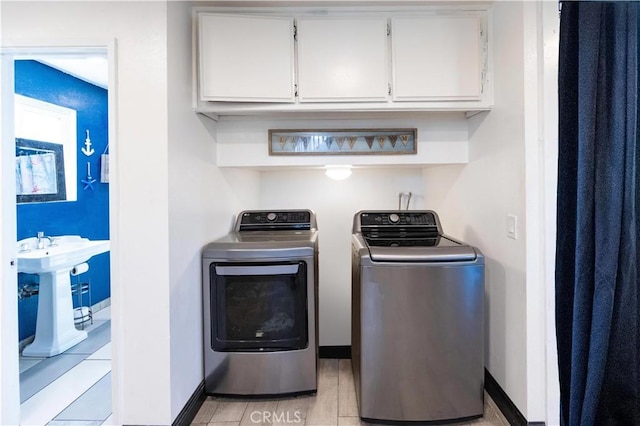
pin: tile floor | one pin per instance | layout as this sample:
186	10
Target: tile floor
334	404
73	388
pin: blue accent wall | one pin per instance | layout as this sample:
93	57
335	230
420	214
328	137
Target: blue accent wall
89	215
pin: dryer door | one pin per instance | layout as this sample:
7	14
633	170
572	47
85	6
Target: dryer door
258	306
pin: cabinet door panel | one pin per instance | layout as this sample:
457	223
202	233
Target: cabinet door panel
342	59
436	58
246	58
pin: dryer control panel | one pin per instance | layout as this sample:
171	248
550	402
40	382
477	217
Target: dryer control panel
265	220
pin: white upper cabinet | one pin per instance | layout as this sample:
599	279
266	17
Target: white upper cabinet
436	57
342	59
244	58
299	61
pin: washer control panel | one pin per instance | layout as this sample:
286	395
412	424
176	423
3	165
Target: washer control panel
398	227
398	218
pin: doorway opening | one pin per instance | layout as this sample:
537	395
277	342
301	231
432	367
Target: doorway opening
52	386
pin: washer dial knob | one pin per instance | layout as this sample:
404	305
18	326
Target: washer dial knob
394	218
271	217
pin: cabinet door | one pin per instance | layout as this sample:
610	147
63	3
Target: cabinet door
342	59
436	58
246	58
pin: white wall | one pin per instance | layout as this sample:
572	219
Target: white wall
335	203
202	203
442	138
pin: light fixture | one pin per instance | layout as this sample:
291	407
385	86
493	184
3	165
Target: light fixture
338	172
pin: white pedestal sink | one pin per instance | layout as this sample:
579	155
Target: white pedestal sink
55	328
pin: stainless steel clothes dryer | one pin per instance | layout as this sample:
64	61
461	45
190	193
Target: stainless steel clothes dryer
260	292
417	319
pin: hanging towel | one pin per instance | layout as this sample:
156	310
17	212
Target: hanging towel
104	166
36	174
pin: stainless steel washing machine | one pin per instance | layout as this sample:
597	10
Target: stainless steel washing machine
260	293
417	319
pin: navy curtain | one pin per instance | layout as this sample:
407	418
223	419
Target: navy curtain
597	258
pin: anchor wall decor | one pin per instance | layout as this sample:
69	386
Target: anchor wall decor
87	150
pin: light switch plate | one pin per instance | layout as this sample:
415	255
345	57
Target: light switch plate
512	226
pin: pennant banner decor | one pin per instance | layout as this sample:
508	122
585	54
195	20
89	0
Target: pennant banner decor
359	142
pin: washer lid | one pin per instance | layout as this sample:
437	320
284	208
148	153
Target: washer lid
439	249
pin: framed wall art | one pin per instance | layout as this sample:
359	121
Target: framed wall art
39	171
343	142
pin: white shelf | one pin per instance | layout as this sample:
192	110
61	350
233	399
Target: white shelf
219	110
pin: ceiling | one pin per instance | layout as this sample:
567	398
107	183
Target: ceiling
92	69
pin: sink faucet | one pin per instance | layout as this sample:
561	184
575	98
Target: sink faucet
41	238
